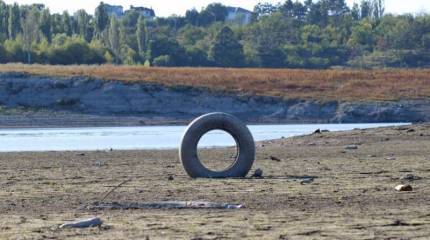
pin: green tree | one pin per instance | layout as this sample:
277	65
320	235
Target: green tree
3	54
269	35
378	8
3	21
197	57
366	9
14	21
114	38
67	24
189	35
141	36
83	21
45	24
164	46
212	13
101	19
30	31
226	50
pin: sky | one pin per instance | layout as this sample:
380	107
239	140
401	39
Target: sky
165	8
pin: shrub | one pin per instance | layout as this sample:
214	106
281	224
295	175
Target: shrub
163	61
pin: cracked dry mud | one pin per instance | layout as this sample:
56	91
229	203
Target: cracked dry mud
351	196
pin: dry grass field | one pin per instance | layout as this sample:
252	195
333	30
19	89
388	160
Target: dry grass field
316	190
390	84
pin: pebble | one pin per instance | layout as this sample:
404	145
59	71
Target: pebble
390	158
258	173
351	147
404	188
410	177
307	181
170	178
273	158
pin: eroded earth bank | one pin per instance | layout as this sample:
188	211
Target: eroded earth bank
28	100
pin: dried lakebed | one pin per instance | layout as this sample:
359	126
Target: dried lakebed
312	188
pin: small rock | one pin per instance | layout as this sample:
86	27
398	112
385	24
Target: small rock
306	181
404	188
273	158
351	147
410	177
258	173
99	163
410	130
392	158
170	178
325	131
371	156
318	131
80	154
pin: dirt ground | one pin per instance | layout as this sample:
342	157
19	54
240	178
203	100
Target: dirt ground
317	190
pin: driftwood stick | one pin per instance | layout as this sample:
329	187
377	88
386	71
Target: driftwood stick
114	188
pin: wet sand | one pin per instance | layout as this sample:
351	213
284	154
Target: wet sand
317	190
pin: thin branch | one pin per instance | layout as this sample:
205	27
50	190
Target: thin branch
114	188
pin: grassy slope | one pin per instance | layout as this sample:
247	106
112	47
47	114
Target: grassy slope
392	84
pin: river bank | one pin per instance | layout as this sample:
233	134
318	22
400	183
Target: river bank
44	101
315	188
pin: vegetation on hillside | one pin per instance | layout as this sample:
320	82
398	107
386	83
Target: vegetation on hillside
312	34
361	85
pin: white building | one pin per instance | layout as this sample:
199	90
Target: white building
146	12
239	15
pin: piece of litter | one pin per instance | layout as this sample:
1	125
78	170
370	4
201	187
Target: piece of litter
351	147
85	223
234	206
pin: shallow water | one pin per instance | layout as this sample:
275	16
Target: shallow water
154	137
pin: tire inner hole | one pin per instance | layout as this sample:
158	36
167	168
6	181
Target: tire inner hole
217	150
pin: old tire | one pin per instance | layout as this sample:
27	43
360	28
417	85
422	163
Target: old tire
217	121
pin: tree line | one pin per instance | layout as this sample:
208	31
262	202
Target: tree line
309	34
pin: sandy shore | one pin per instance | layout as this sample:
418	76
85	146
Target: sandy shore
351	196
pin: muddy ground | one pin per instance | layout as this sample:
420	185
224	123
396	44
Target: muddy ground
351	196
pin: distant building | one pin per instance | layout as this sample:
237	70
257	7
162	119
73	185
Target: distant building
114	10
239	15
145	12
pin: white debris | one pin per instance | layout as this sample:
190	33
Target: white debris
404	188
84	223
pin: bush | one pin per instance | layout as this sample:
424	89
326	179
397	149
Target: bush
74	51
163	61
197	57
3	58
